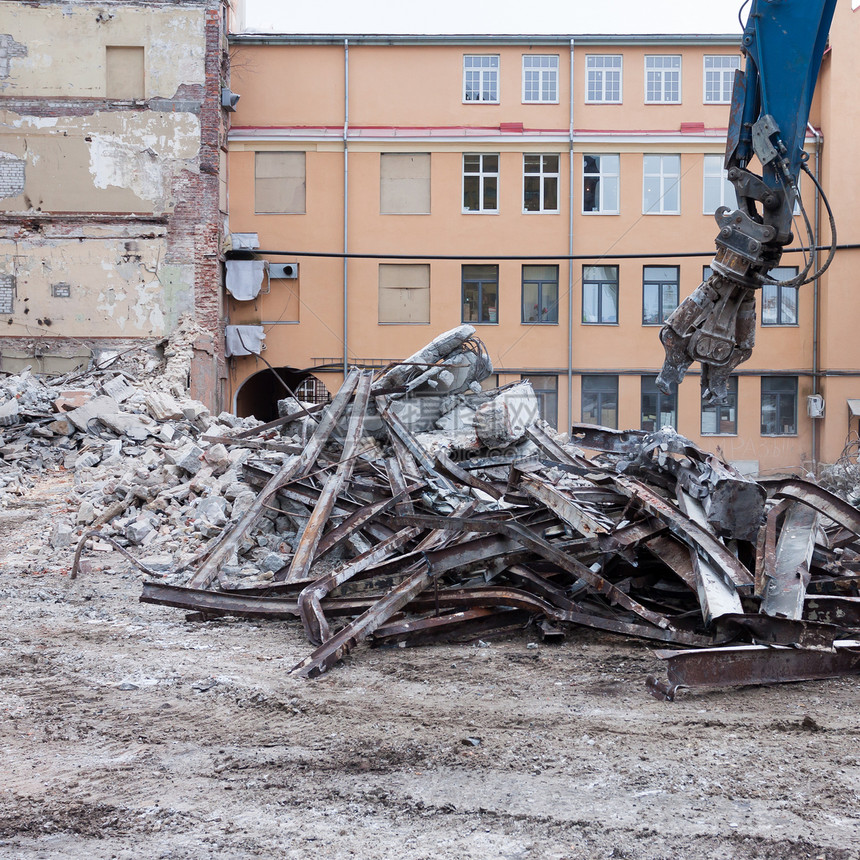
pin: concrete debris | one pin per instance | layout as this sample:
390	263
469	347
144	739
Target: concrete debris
483	519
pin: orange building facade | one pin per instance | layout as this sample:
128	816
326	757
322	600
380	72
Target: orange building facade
556	193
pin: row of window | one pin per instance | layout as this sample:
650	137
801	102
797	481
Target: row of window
404	294
778	406
405	183
603	78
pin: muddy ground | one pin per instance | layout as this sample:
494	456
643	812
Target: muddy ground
128	731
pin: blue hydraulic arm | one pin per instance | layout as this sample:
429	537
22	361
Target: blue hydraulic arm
783	42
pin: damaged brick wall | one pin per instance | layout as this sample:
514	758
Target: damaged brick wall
110	220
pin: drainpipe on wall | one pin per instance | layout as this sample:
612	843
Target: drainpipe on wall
816	294
570	261
345	206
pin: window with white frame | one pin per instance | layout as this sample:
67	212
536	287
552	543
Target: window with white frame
480	182
661	184
540	78
603	78
481	78
779	301
663	79
716	189
540	183
720	78
600	184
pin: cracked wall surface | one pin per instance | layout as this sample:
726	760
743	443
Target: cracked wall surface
111	198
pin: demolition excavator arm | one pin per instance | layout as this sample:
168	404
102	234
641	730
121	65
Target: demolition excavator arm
783	43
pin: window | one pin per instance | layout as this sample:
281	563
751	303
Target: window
312	390
546	391
778	405
404	183
661	184
717	190
124	72
779	301
600	183
279	183
600	400
663	80
540	294
481	78
659	293
404	293
720	78
658	409
600	294
722	419
480	183
603	78
540	78
540	183
480	294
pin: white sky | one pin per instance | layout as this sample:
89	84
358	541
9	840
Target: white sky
558	17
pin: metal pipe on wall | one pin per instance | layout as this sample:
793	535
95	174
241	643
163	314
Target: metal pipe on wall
345	206
816	293
570	254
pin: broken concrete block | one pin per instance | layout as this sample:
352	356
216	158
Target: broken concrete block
9	413
87	460
242	502
111	456
162	407
212	509
158	563
194	410
186	458
118	388
134	427
62	427
273	561
137	532
72	400
61	535
95	408
86	513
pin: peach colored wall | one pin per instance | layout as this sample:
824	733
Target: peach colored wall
403	87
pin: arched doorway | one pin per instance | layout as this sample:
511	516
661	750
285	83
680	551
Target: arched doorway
259	394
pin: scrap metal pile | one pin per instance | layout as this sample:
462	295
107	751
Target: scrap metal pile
424	509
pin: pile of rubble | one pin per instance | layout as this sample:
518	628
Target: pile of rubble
417	507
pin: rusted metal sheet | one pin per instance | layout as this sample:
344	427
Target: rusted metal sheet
576	516
844	611
546	550
816	497
751	664
688	531
785	583
306	549
717	595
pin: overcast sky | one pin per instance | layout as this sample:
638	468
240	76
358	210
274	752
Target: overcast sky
496	17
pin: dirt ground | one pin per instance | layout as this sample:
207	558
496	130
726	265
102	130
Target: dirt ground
129	732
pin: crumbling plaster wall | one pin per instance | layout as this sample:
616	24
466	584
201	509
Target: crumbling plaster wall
61	47
111	214
109	161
